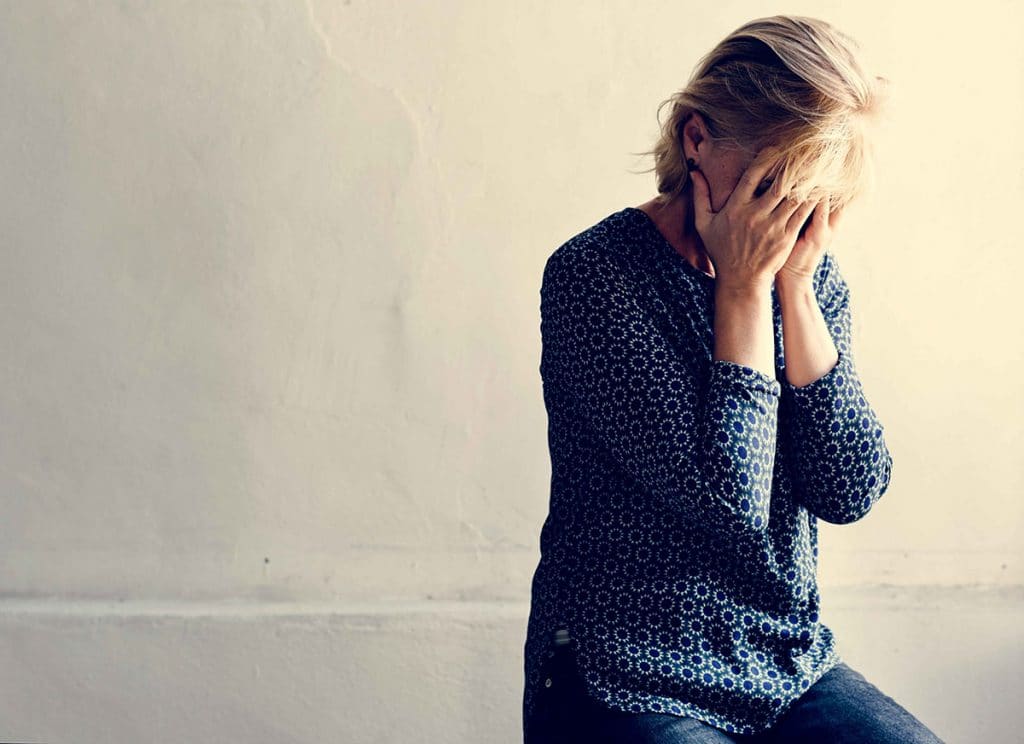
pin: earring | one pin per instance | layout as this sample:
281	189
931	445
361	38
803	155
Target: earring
691	164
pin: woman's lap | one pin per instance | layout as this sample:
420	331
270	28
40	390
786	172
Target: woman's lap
843	707
840	707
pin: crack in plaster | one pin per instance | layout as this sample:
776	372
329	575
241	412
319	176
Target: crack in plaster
420	151
317	27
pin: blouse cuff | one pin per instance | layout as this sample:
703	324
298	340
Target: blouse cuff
749	377
825	386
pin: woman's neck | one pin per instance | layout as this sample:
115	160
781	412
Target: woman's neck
674	221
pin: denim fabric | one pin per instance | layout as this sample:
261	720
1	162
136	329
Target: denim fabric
842	707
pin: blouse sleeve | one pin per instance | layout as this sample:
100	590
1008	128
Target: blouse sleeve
705	451
842	462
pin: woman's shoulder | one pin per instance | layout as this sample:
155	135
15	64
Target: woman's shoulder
609	246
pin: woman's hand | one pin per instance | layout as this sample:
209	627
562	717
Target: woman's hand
811	245
751	237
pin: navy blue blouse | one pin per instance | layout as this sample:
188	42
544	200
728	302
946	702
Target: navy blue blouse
680	546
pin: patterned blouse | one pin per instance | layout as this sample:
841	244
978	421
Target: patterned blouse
680	547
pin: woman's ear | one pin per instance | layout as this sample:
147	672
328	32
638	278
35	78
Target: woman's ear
693	132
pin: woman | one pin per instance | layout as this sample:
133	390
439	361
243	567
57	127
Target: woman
692	452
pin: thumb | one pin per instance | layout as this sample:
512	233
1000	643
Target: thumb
702	213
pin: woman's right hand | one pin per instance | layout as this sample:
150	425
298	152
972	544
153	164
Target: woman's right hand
751	237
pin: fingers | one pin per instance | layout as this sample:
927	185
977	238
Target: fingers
799	214
835	217
702	213
755	174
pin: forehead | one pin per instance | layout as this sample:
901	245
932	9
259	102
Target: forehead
741	158
740	162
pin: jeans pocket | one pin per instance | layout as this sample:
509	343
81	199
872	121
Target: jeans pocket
541	725
565	711
562	682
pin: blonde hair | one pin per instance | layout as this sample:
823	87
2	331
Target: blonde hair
786	80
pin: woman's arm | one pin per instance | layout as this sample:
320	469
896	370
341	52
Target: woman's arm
842	463
706	451
744	331
809	346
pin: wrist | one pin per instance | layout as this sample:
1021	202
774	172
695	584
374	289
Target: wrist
756	288
791	284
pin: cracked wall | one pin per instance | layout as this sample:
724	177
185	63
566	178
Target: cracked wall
273	296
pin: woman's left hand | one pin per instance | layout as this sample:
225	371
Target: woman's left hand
810	247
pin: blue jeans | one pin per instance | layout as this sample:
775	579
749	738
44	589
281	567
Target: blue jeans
842	707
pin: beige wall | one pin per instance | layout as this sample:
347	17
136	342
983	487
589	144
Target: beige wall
270	322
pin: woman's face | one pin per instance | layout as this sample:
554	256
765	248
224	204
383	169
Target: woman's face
722	165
